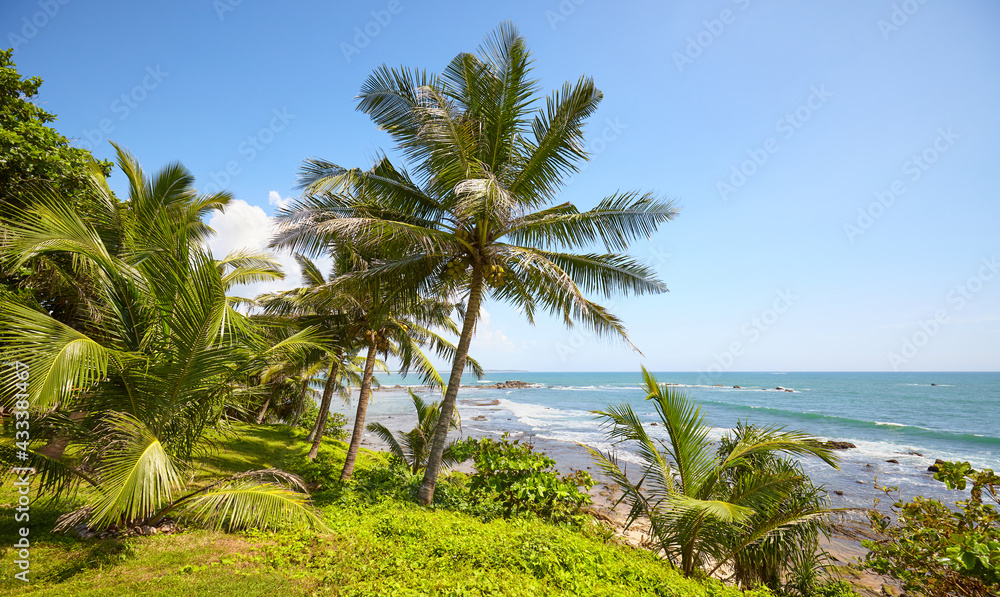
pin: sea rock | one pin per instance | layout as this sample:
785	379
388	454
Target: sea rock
935	467
893	460
513	384
838	492
654	424
787	390
737	388
910	453
933	384
779	388
835	445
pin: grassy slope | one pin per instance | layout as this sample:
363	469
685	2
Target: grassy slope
390	548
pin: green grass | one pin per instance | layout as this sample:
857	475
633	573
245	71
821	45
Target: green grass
376	546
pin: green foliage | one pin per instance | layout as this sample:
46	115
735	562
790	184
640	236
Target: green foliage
383	546
396	549
414	447
741	505
130	388
30	150
938	551
840	588
335	422
523	480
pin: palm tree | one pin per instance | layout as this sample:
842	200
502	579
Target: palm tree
706	506
313	306
477	217
413	447
370	316
136	384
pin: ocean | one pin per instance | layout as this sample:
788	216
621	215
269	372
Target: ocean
912	418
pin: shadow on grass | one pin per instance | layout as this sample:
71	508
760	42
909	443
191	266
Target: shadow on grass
67	555
93	554
249	447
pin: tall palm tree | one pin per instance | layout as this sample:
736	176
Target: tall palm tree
706	506
136	384
477	217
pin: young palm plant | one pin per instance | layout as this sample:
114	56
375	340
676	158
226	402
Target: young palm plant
711	507
413	447
134	387
478	218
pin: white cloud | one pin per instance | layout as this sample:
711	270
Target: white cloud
489	339
245	226
274	198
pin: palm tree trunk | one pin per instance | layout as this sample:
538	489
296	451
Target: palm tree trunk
359	417
324	409
263	410
426	495
302	403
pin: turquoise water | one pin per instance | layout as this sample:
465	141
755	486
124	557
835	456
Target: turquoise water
887	415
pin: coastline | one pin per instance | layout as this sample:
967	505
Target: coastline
490	409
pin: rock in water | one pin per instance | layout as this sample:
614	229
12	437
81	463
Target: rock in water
835	445
936	466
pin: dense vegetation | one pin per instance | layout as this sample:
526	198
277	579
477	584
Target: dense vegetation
739	505
380	542
939	551
147	391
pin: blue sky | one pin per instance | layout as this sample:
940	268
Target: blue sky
836	162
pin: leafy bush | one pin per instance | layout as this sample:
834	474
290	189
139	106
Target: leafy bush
522	480
335	422
935	550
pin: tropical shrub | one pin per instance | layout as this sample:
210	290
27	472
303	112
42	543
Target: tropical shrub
713	506
413	448
522	480
335	422
936	550
125	395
